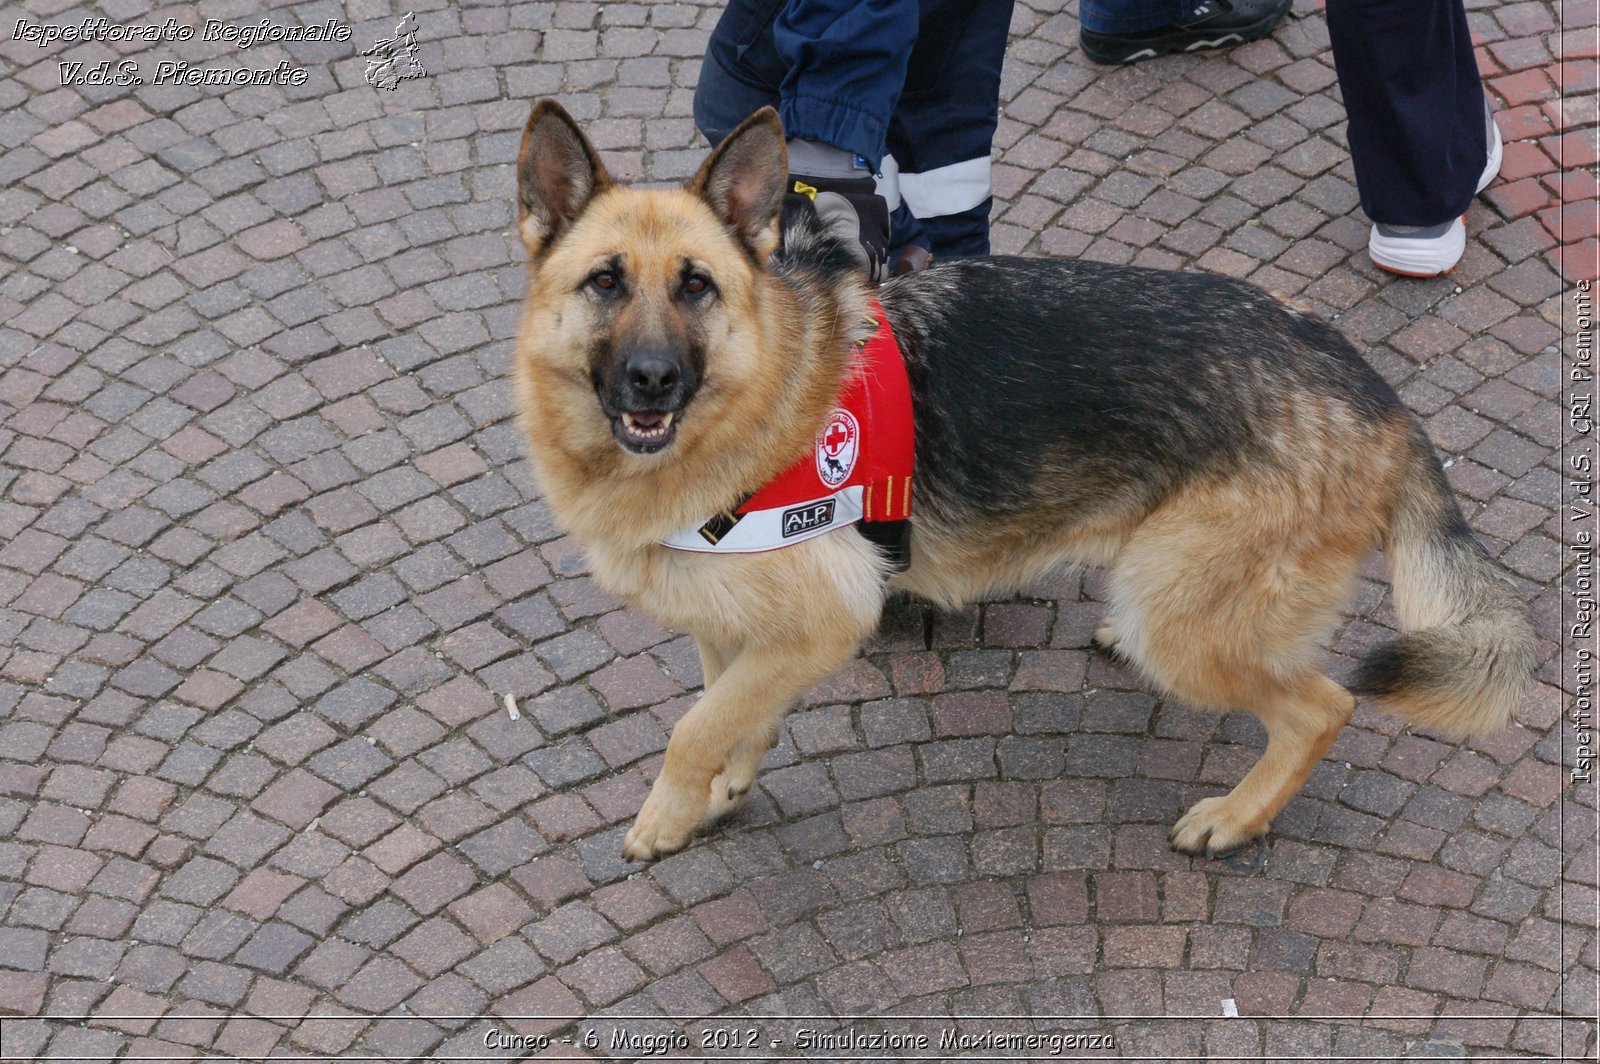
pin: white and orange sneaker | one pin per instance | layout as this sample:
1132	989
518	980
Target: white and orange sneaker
1428	251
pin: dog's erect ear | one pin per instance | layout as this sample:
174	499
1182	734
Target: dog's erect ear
744	180
557	174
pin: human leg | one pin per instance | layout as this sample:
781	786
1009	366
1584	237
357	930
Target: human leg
940	137
1418	134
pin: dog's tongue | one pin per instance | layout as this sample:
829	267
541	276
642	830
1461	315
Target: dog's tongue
649	422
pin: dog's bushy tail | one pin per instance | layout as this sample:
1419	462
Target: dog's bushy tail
1468	647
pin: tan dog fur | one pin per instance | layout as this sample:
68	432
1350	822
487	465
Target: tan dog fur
1220	592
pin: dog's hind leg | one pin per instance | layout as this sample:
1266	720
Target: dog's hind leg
1302	721
1221	595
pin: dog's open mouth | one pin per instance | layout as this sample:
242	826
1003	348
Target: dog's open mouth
645	431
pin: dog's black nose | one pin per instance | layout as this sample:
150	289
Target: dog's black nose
652	376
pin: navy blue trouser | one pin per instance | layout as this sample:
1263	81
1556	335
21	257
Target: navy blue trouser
1415	104
912	86
1411	92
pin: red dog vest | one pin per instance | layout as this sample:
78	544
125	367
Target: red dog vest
859	470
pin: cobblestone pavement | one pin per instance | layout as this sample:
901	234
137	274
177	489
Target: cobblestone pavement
270	560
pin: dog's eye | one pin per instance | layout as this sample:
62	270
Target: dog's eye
605	280
696	283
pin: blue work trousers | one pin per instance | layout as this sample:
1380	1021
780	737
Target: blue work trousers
912	86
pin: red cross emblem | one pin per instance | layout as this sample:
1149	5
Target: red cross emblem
837	448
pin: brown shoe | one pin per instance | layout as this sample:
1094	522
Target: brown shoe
911	260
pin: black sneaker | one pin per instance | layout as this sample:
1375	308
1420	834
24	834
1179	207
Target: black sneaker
1214	24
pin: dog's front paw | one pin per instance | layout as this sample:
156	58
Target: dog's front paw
1212	829
731	786
666	823
1105	637
728	792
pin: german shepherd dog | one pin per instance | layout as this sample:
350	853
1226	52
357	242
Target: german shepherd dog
1230	459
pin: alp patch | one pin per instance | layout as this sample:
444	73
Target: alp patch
808	518
859	470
